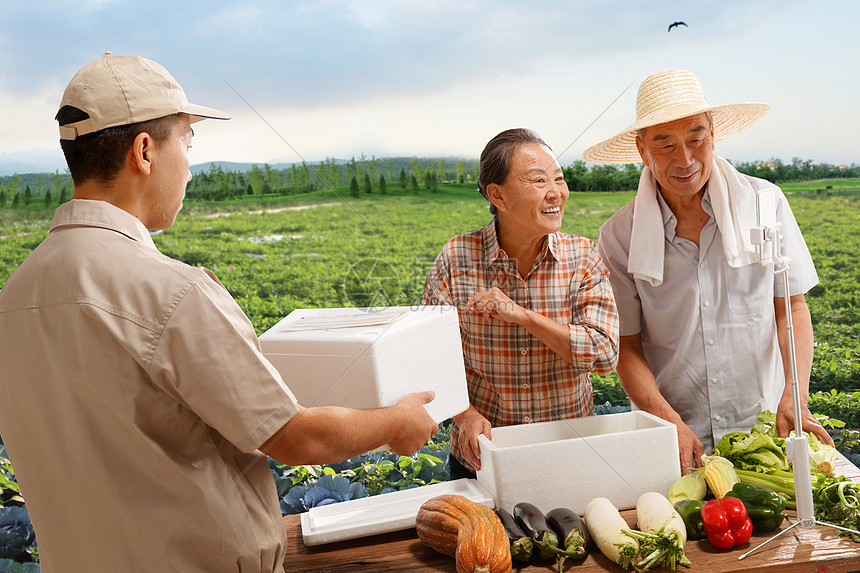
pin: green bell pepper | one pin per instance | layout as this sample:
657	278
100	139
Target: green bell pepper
764	506
690	511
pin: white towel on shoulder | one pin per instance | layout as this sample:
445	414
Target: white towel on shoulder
733	200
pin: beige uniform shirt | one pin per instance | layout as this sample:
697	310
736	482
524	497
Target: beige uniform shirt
133	396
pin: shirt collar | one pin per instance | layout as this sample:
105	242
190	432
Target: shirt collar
552	244
706	203
493	251
91	213
669	219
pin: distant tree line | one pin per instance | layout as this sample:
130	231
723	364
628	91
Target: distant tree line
776	171
45	189
614	177
364	174
372	175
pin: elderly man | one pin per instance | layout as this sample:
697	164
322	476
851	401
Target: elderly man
134	399
703	336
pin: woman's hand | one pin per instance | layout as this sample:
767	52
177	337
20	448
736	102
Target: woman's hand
471	425
494	303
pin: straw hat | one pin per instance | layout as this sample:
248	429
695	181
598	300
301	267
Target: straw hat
666	96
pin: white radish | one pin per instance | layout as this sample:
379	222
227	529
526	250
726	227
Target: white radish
662	533
607	527
654	512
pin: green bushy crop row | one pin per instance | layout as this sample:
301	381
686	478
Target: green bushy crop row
275	256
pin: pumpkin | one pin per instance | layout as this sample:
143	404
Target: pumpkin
468	531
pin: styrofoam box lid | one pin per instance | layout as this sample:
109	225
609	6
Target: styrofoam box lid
352	331
381	513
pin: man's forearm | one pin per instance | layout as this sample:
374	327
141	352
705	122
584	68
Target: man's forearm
326	434
803	343
639	382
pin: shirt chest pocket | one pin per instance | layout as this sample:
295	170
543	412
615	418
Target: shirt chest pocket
749	289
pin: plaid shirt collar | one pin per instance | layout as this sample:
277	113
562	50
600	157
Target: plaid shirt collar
493	251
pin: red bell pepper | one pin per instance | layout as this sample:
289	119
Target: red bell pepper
726	522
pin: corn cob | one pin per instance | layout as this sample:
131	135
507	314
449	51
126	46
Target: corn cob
720	475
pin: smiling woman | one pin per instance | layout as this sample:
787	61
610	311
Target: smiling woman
536	311
530	203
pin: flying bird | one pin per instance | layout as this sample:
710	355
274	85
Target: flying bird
676	24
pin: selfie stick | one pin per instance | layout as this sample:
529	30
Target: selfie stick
767	240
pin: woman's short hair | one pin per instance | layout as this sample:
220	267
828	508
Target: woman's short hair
496	158
100	155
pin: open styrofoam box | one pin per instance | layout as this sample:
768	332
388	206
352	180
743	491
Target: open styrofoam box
381	513
567	463
370	358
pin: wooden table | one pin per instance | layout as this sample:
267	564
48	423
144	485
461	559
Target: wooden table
813	550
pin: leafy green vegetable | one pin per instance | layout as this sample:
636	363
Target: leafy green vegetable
10	492
753	451
760	449
327	490
821	456
837	501
16	532
9	566
766	424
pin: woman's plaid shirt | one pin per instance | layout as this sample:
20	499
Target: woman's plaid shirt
513	377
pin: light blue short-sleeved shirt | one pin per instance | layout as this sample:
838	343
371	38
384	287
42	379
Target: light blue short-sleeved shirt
709	331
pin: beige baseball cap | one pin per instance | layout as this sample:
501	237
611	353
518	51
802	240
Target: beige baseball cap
120	90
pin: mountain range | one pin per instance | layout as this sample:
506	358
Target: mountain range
50	161
32	161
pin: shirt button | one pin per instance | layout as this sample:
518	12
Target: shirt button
526	419
525	386
707	303
714	380
717	418
711	341
701	265
524	351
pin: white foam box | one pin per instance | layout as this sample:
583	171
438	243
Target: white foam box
381	513
567	463
370	358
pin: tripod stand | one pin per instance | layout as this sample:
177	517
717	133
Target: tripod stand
767	240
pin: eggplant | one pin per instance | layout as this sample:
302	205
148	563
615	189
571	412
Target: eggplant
521	544
533	523
571	530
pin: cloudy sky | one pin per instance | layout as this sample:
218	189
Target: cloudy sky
309	80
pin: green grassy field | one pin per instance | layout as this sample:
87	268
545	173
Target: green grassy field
283	253
822	185
273	262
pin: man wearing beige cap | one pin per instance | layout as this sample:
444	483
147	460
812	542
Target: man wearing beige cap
134	400
703	325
